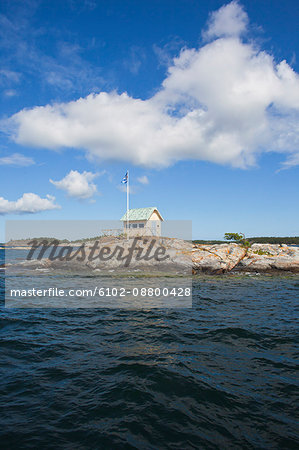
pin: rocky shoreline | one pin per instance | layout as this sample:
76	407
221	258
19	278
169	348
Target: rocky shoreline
183	257
259	258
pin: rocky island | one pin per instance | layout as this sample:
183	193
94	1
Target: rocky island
175	256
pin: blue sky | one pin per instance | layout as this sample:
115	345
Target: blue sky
199	100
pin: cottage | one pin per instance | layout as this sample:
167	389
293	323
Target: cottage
143	221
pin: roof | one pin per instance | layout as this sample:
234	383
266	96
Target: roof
141	213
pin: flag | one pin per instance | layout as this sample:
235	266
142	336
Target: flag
125	179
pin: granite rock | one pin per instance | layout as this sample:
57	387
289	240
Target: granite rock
216	259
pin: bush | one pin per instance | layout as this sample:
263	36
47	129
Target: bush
239	238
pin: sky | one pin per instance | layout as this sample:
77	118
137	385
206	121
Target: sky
198	100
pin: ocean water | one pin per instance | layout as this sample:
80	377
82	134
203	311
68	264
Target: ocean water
221	374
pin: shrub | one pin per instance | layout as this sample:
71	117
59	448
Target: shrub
239	238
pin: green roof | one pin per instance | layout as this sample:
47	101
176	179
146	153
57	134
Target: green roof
140	213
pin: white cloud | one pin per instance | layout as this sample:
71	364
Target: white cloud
10	93
143	179
135	59
28	203
229	20
225	102
166	52
20	39
78	185
16	159
292	161
9	76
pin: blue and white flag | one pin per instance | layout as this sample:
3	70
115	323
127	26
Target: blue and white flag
125	179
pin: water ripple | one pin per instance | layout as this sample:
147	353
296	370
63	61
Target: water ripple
219	375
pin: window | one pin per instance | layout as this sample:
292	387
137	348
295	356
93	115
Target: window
134	225
141	225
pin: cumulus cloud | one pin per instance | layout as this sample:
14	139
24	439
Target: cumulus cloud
28	203
229	20
143	180
16	159
78	185
225	102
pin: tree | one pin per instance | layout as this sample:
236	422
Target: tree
239	238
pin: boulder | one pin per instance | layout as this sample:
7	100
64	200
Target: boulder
216	259
269	258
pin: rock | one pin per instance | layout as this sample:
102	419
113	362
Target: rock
178	257
183	257
216	259
269	258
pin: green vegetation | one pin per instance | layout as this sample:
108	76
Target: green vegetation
262	252
40	238
239	238
61	241
95	238
292	240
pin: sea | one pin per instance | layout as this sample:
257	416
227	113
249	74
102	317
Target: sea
221	374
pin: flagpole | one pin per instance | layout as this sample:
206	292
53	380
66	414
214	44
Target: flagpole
128	222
